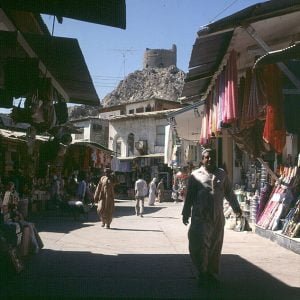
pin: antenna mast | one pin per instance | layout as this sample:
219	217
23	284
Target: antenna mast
124	52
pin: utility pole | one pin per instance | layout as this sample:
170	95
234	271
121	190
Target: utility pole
124	52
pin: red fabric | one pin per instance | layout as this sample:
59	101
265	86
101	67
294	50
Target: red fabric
231	94
274	130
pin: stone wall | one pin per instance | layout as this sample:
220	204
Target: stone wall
160	58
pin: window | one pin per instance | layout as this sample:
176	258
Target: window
79	135
194	155
97	127
160	135
131	111
130	144
139	110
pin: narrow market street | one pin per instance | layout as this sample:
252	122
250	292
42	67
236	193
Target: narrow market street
146	258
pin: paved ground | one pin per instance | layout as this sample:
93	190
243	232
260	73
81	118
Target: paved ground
147	258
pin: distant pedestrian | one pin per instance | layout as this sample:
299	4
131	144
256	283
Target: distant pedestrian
55	194
82	185
175	190
160	191
141	191
104	196
152	192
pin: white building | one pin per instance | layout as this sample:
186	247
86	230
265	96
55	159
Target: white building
138	134
137	137
91	129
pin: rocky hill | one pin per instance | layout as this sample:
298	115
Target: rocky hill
160	83
82	111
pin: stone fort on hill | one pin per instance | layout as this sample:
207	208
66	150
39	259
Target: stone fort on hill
160	58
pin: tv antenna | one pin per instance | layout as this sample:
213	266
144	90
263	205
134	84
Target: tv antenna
124	53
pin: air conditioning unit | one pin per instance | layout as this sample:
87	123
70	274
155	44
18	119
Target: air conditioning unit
141	145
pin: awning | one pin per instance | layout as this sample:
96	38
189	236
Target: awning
153	155
64	60
21	136
187	121
254	13
90	144
213	41
206	57
105	12
281	55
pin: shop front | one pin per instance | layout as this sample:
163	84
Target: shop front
128	169
88	157
247	111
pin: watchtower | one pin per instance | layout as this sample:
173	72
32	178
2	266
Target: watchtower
160	58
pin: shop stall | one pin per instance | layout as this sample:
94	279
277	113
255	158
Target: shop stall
244	81
127	170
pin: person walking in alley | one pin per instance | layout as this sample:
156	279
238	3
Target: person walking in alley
152	192
160	191
175	190
141	191
104	196
207	187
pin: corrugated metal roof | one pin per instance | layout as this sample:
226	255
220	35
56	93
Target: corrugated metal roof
110	13
149	114
64	59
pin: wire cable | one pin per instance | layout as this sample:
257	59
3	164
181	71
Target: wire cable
228	6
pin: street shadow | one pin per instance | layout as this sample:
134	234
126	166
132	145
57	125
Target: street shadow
152	217
127	229
123	211
64	223
83	275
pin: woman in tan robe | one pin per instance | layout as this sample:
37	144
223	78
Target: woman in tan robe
104	196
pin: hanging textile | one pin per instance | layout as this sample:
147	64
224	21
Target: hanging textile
115	164
204	128
210	114
257	98
216	104
61	111
291	226
168	145
274	130
250	139
221	92
230	96
243	122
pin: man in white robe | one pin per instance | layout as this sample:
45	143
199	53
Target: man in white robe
152	192
207	188
141	191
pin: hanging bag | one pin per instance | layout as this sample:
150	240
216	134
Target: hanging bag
242	224
21	114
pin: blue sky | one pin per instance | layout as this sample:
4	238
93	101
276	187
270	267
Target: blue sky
111	53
